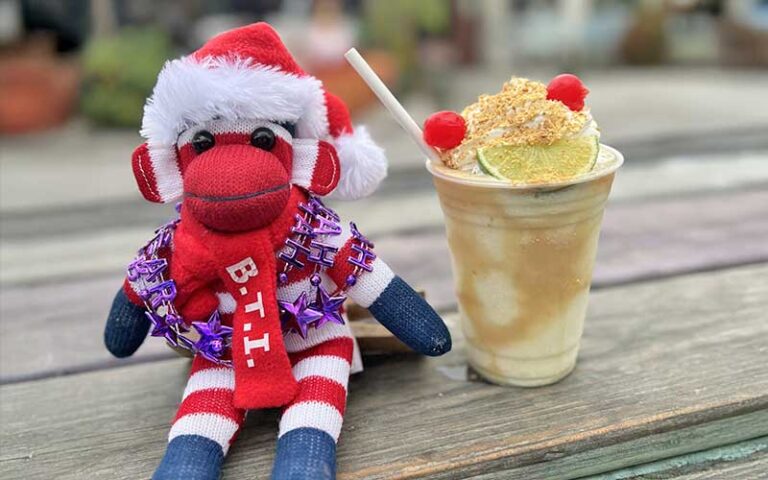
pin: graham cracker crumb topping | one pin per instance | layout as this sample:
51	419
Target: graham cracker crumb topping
519	114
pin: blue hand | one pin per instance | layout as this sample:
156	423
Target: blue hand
411	319
127	327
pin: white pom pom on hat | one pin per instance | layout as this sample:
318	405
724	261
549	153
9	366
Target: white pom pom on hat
363	165
248	73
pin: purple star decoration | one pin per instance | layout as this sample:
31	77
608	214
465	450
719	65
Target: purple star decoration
161	327
311	245
147	275
214	337
297	316
329	307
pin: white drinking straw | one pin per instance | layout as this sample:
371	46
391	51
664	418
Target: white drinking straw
390	102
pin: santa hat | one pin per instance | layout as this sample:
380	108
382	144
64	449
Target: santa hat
240	74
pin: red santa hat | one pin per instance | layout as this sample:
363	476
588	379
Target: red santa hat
248	73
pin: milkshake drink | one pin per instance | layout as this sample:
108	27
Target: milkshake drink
523	192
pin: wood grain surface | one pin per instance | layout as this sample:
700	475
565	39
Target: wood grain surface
63	320
752	468
667	367
747	460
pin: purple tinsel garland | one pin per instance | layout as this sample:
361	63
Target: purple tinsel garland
309	236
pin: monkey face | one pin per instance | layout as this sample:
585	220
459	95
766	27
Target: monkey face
236	173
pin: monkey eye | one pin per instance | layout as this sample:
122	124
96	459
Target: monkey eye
202	141
263	138
290	127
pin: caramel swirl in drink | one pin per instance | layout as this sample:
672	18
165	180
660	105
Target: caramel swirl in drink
523	194
522	179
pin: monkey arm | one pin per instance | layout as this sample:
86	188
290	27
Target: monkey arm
127	325
411	319
395	305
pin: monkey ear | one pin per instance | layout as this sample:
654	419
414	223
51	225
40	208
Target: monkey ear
159	179
316	166
145	176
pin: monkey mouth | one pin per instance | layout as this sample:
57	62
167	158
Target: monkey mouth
234	198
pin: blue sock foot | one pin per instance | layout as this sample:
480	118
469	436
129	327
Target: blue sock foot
190	457
305	454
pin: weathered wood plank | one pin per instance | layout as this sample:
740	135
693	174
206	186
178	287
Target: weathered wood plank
754	467
667	367
684	172
63	321
96	239
743	460
679	440
62	334
58	328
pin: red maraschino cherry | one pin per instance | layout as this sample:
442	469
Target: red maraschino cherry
568	89
444	130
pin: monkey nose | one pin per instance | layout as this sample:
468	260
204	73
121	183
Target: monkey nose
236	188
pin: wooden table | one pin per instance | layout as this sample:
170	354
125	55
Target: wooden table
672	380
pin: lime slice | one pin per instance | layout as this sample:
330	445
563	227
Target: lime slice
557	162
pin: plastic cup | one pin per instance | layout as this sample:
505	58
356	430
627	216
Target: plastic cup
522	259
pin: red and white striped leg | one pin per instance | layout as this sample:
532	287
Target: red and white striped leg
205	425
207	407
311	424
321	365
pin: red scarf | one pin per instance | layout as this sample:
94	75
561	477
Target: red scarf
246	264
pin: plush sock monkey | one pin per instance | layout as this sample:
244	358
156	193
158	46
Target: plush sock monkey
252	275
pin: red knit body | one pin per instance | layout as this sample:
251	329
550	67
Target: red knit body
244	265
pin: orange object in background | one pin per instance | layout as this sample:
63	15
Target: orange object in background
320	50
343	81
38	90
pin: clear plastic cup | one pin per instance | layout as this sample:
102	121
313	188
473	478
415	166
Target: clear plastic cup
522	258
